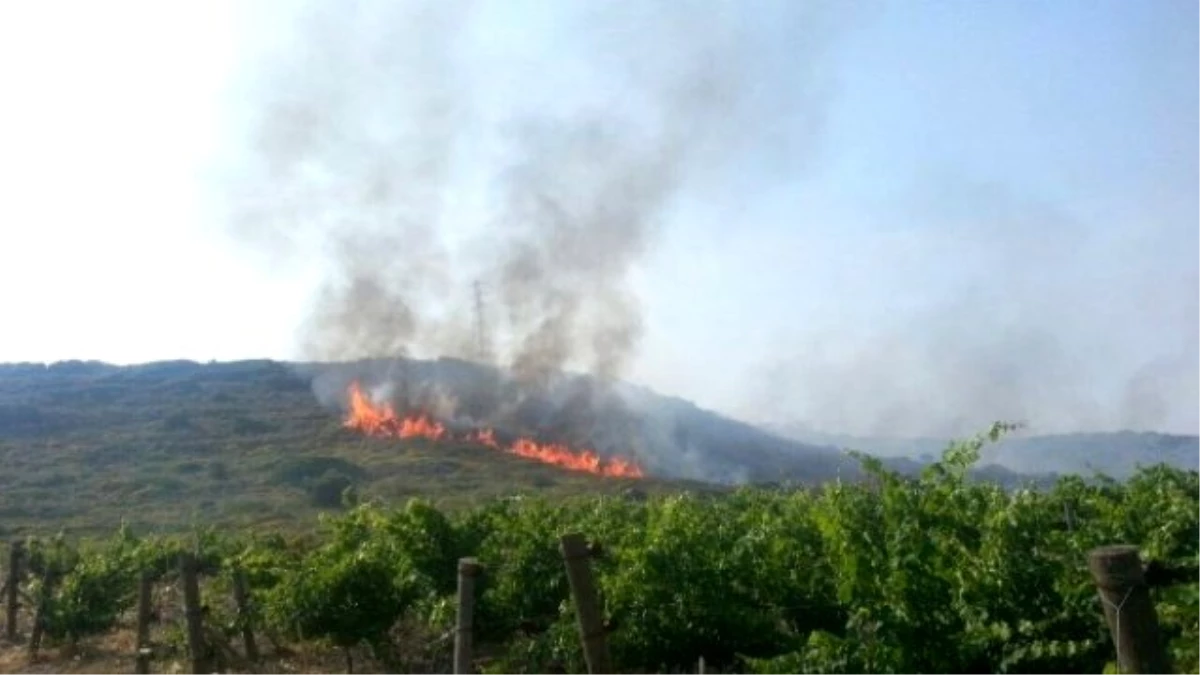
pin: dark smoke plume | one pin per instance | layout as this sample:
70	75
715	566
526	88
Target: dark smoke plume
398	146
370	122
411	149
352	131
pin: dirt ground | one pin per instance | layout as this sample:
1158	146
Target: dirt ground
116	653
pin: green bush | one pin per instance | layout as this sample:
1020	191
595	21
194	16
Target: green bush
327	491
892	574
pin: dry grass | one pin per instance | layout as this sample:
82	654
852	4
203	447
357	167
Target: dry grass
414	648
115	652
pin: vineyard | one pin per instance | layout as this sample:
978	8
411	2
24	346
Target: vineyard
891	574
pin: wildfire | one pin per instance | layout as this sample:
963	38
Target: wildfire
382	420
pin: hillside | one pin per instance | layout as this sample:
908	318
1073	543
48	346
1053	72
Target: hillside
164	445
671	437
167	444
1115	454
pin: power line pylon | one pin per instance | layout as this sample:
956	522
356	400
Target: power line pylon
481	350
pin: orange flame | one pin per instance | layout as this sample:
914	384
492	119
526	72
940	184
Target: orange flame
382	420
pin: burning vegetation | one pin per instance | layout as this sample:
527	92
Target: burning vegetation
381	420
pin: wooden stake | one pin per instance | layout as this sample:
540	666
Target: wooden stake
468	569
242	597
577	555
1117	571
145	587
39	615
192	611
12	590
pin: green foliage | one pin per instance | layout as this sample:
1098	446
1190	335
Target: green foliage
525	582
356	585
346	599
303	471
934	573
82	593
702	579
326	492
218	471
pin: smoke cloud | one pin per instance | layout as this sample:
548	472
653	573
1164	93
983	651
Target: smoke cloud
410	149
415	148
352	126
999	307
485	187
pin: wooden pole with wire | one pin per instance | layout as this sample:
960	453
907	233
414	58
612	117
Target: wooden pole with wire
577	555
145	589
193	614
12	590
1128	609
468	570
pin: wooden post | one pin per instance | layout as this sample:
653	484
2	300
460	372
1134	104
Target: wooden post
39	615
145	586
468	569
577	555
192	611
39	626
1117	571
242	597
12	590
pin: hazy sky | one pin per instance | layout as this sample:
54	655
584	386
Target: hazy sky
919	216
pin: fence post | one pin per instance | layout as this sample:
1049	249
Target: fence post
577	555
241	596
1128	610
468	569
49	580
12	590
145	587
192	611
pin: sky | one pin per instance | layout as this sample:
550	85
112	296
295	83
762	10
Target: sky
865	217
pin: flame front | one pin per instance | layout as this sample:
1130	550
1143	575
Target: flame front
382	420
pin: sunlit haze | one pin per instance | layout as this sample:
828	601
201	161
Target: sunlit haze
914	217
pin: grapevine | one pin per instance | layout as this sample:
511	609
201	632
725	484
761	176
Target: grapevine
929	573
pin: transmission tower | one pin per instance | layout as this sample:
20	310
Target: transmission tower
481	350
